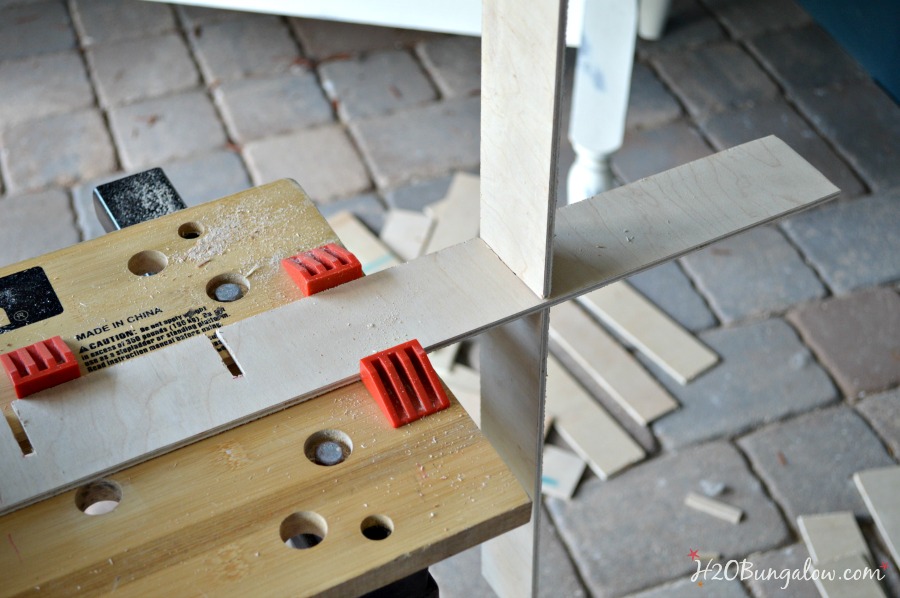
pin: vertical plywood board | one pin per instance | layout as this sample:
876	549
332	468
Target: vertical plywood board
521	58
609	364
586	426
513	377
880	489
652	332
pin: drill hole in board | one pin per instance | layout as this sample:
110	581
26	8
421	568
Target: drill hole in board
191	230
302	530
98	498
226	288
147	263
328	447
377	527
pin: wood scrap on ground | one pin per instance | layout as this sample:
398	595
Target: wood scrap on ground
642	324
880	488
714	507
832	536
609	364
562	470
368	249
586	426
456	215
406	232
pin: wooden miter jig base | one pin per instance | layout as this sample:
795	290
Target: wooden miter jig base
358	503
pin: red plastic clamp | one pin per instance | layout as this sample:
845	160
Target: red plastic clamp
322	268
40	366
404	383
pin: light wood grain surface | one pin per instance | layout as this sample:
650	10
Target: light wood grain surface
206	519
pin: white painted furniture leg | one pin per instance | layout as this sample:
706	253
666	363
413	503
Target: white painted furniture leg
600	94
652	18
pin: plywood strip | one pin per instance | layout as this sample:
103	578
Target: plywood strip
609	364
521	66
652	332
307	347
367	248
586	426
831	536
880	489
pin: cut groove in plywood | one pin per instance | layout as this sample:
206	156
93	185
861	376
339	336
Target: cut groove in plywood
439	298
586	426
611	366
642	324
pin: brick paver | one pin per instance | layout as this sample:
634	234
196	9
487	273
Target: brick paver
417	195
776	117
56	150
38	28
755	273
454	63
765	374
883	413
791	558
808	462
650	151
421	142
43	85
323	160
104	21
864	124
329	39
805	58
649	103
668	287
156	131
35	224
714	78
376	83
635	533
851	244
143	68
247	45
856	337
265	106
743	18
